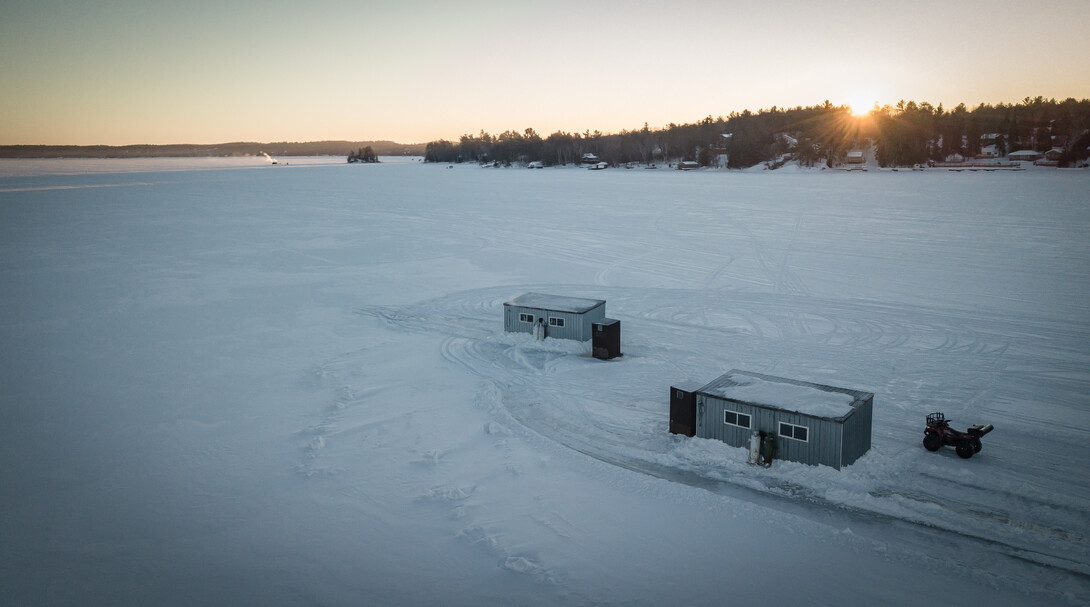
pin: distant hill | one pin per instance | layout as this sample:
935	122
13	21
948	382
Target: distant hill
245	148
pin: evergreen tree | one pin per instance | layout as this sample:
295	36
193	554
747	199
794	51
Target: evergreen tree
972	138
440	151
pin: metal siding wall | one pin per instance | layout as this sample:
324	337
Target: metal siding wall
576	326
570	330
837	454
852	428
823	446
864	435
764	420
714	427
789	449
511	320
508	314
857	432
587	321
702	416
831	443
711	424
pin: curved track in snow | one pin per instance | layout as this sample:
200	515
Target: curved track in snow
617	411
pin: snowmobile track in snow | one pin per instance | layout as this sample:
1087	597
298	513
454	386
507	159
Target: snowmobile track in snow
615	412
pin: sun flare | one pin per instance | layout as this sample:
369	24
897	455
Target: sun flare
861	102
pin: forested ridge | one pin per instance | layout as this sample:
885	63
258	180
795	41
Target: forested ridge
821	135
903	134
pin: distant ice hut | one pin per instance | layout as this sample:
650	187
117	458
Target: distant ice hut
553	316
811	423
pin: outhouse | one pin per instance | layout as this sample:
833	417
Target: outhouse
553	315
683	408
810	423
606	343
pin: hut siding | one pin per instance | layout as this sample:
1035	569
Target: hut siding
577	326
857	432
834	442
824	436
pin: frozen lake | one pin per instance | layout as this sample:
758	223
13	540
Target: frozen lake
227	382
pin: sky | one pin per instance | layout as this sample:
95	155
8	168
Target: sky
129	72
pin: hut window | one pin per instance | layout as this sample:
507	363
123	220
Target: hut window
526	318
794	432
734	418
556	322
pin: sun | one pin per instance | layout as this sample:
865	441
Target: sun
861	102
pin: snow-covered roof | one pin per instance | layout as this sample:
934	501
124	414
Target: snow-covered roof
556	303
689	385
816	400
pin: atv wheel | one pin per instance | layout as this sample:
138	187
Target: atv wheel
964	449
977	446
932	442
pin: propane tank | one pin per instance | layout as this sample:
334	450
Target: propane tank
754	447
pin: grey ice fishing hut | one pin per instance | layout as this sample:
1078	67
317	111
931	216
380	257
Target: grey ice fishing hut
811	423
559	316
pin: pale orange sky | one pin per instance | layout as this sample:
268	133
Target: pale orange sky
127	72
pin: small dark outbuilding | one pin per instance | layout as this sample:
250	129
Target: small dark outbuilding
606	342
683	408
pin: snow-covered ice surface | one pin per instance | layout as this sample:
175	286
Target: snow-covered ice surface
226	382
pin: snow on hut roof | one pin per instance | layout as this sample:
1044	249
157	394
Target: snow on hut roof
689	385
556	303
786	394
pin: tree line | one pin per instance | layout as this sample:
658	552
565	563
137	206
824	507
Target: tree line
903	134
911	132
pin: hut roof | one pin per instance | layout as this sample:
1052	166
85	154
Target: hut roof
768	391
557	303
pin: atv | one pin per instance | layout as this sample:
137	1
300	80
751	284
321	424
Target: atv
939	433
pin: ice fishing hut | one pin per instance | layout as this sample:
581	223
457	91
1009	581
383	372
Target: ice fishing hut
810	423
553	316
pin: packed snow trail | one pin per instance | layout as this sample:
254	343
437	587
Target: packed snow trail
617	411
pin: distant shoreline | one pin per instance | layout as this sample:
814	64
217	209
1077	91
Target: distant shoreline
218	150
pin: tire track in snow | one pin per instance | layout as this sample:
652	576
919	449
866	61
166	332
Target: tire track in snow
550	390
